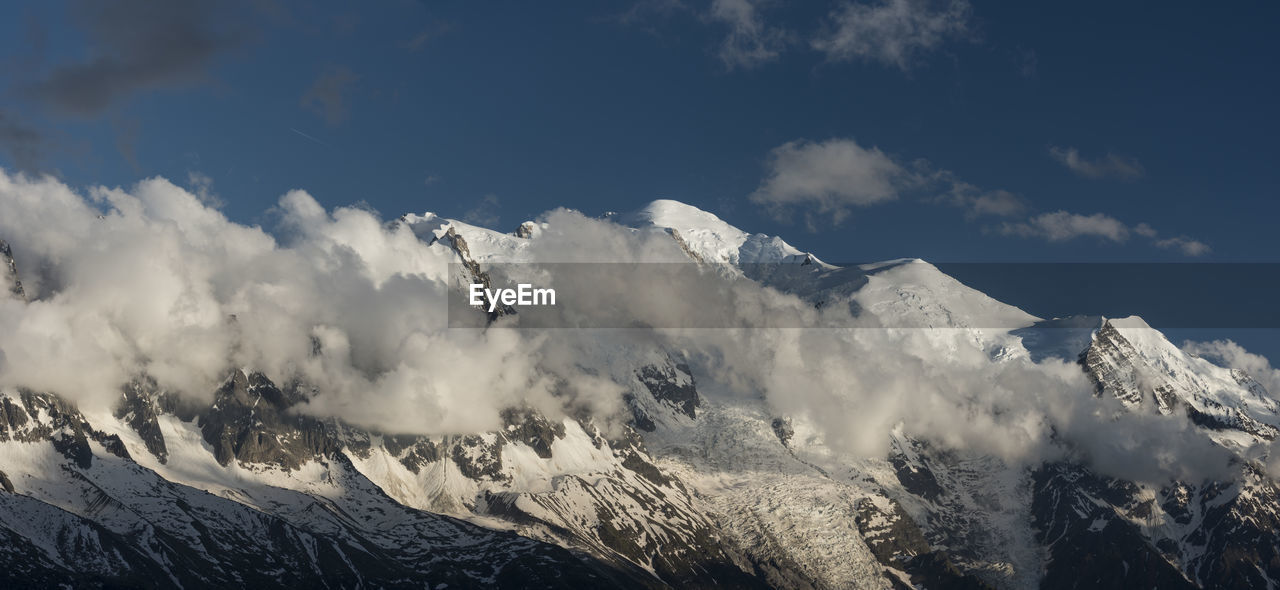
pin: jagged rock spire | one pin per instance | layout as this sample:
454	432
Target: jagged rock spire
9	269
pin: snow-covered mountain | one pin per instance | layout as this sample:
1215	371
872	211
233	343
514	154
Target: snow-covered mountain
703	474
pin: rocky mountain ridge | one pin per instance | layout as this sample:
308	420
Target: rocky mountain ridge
687	486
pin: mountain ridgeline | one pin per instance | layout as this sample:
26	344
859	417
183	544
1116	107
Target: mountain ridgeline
690	483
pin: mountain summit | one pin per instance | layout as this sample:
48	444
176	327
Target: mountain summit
944	440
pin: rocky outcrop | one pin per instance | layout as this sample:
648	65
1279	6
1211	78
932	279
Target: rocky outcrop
1116	368
898	543
140	409
476	275
9	271
250	422
1080	518
672	384
526	230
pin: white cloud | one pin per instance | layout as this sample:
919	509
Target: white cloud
892	32
750	41
1060	226
148	280
1111	165
1187	246
826	179
1231	355
830	176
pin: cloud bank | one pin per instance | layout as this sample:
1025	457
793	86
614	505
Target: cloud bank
153	280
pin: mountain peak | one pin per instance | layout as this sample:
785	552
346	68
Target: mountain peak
671	213
707	237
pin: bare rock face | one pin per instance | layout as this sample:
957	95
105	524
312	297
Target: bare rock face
1081	519
459	245
673	385
250	422
898	543
1116	368
140	408
38	417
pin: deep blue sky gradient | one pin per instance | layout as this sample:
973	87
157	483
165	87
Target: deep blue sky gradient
566	104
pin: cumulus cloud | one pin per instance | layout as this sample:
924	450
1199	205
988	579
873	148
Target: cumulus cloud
1110	165
833	176
136	46
894	33
750	41
830	176
327	96
1060	226
1144	230
152	280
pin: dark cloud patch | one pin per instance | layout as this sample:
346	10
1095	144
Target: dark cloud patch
136	46
23	144
327	96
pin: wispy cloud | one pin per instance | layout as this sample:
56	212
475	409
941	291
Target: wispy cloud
1110	165
1188	246
485	213
976	201
894	33
750	41
327	96
1060	226
825	180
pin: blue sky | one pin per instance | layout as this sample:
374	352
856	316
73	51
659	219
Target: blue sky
948	130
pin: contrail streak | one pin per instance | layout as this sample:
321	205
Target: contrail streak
311	138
